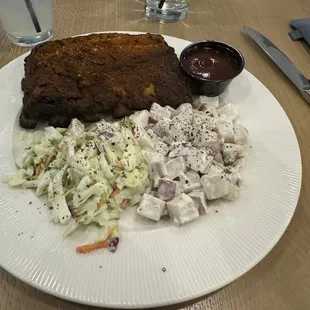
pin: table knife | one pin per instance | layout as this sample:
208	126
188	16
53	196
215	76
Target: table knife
283	62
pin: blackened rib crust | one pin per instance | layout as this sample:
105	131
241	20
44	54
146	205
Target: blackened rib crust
87	76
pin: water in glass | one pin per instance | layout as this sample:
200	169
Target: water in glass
18	22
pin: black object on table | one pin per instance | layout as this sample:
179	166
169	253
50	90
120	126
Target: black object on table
300	30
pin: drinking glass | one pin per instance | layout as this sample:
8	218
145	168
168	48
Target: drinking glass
27	22
167	10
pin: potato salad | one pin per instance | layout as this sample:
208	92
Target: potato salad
194	156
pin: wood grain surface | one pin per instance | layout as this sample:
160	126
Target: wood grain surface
282	279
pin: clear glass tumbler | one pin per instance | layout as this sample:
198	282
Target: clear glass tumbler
167	10
27	22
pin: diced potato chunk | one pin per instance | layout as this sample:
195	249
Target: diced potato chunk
167	139
183	113
214	184
143	137
182	209
198	160
233	192
208	101
226	129
178	189
218	158
233	175
166	189
170	109
162	148
151	207
174	167
190	181
230	111
154	138
200	118
199	199
241	134
179	149
140	118
202	135
157	112
209	111
161	128
179	130
232	152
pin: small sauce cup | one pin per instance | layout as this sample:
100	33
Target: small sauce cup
211	65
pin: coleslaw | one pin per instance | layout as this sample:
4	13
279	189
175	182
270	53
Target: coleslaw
88	174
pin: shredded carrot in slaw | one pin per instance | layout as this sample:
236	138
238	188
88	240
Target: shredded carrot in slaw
111	230
115	192
86	248
120	164
100	203
124	204
37	170
48	160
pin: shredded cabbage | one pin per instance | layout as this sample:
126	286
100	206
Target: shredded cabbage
78	169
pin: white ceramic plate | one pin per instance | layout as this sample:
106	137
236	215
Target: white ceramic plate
199	258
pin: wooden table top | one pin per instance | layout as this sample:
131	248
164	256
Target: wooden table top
282	279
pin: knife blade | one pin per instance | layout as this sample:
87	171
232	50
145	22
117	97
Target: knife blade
282	61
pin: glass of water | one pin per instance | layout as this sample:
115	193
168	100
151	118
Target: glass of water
27	22
167	10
